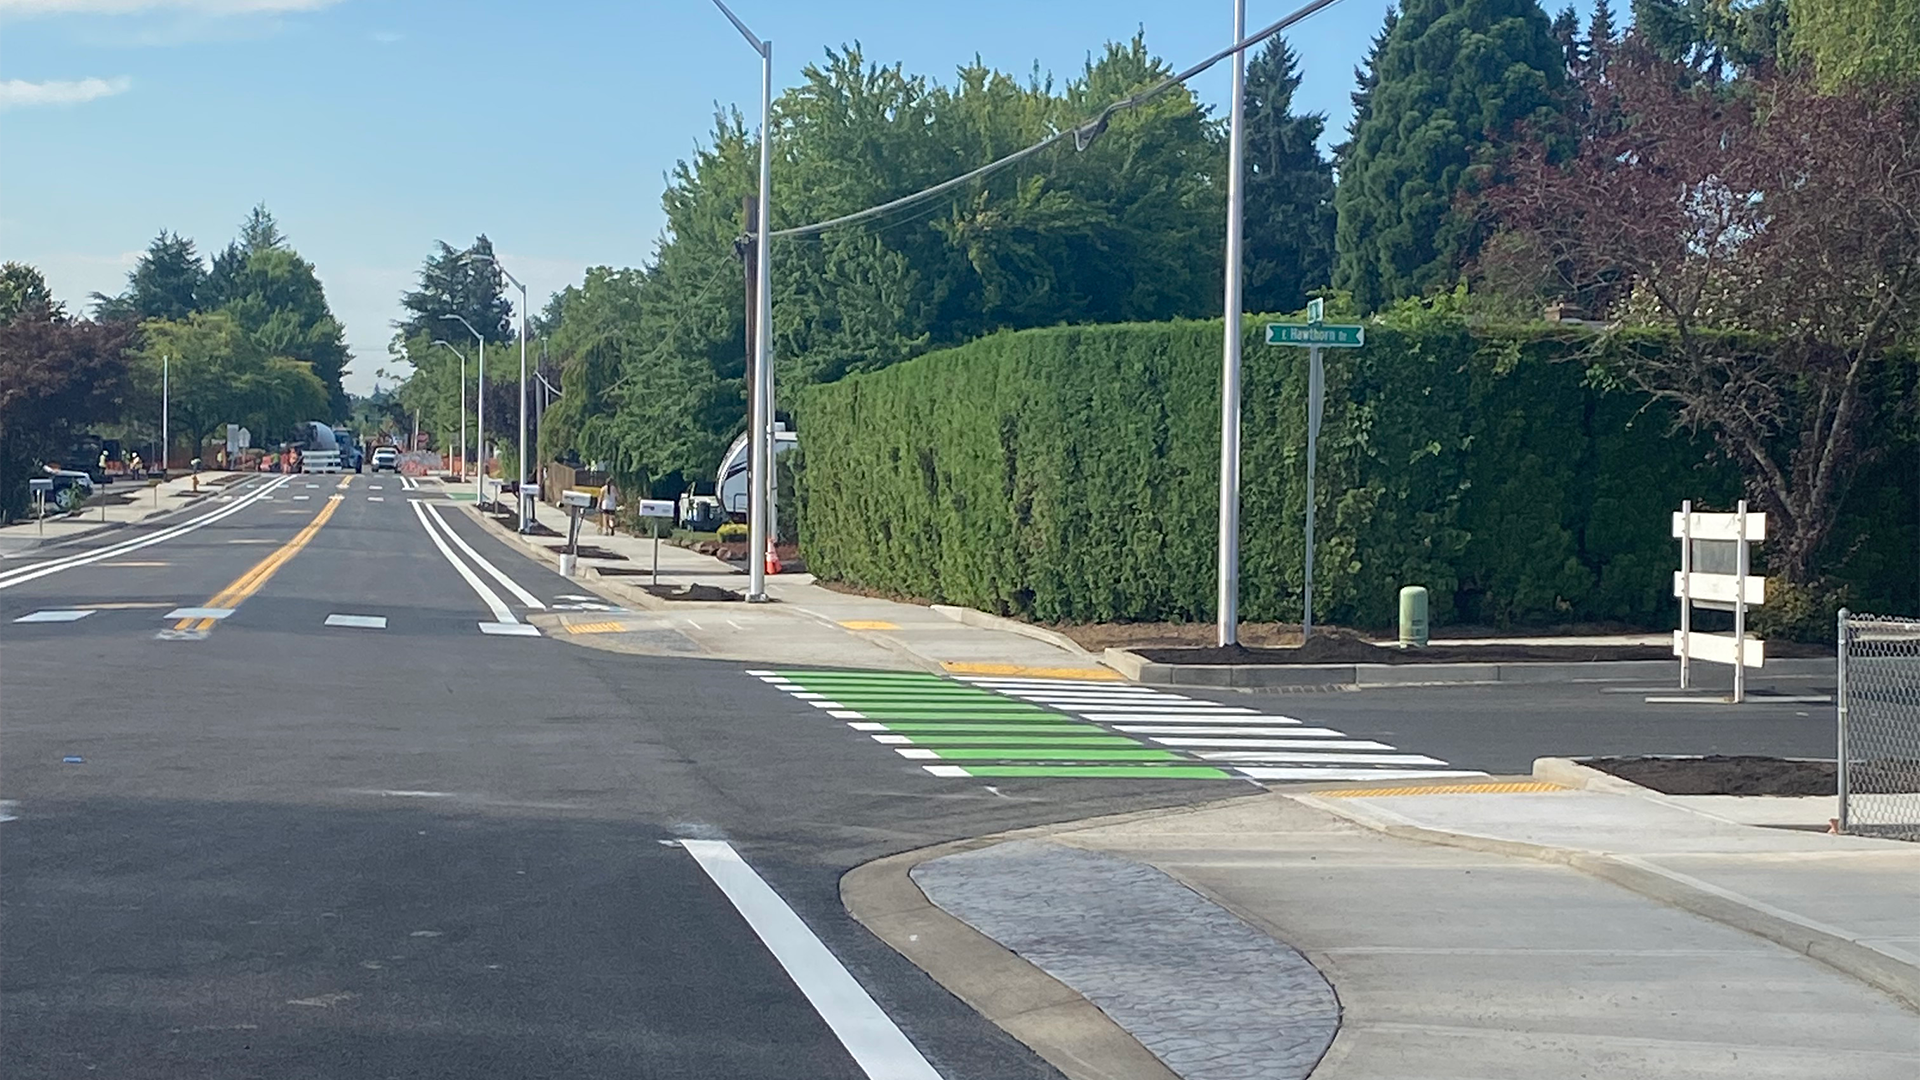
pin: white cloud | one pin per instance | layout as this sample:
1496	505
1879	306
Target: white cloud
16	93
127	7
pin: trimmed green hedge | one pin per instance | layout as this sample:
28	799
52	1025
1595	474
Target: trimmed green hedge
1073	474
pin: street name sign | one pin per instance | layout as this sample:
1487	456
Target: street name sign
1323	335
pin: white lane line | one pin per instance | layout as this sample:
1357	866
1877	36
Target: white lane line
302	498
509	629
359	622
376	498
866	725
917	755
893	740
56	616
871	1037
1307	757
950	771
493	571
375	487
1339	742
501	612
33	571
313	485
1309	773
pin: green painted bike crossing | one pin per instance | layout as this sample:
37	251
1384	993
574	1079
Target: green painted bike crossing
1011	726
956	730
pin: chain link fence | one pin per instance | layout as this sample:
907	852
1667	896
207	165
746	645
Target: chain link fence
1879	715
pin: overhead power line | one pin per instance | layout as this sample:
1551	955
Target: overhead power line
1082	134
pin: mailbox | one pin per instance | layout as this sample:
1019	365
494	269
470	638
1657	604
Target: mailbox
581	499
658	508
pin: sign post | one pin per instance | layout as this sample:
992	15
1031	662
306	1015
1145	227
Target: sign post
1314	335
653	510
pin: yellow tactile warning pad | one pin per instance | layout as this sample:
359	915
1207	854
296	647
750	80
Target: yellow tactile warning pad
596	627
869	624
1499	787
1020	671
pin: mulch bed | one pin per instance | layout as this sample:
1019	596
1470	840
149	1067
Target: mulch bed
1344	649
1726	774
590	551
692	592
1722	774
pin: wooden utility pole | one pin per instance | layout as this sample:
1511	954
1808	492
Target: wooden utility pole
749	255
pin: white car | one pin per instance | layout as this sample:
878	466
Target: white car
386	457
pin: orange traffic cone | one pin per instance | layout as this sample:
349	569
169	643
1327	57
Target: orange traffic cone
773	558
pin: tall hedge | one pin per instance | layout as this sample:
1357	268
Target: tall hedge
1072	474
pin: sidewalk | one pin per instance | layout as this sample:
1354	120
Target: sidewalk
108	512
873	632
1479	933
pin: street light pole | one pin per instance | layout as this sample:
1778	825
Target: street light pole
521	501
463	399
760	481
1229	597
479	415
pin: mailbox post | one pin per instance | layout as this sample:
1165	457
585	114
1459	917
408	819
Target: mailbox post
41	485
577	503
653	510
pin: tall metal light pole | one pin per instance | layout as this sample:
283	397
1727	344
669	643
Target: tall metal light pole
463	400
760	481
1229	598
479	415
521	501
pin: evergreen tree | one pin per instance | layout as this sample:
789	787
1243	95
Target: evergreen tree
165	284
456	282
1717	39
1364	80
1566	34
277	300
259	232
1450	75
1289	194
1601	39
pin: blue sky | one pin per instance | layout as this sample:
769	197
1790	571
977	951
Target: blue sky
370	129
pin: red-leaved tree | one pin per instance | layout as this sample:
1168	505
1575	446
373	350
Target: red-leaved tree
1772	231
58	376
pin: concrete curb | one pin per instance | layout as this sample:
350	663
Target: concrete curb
1827	945
987	621
1266	676
1050	1018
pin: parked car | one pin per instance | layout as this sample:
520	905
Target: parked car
70	489
387	458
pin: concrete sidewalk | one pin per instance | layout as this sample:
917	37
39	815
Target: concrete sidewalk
1477	933
108	511
789	628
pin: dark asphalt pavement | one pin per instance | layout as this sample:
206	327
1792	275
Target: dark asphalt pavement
296	850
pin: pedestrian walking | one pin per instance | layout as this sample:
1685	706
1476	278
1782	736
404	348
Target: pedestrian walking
609	502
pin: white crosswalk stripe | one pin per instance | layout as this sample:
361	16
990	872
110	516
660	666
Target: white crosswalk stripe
1252	744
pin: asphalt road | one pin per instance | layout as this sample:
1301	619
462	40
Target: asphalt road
298	850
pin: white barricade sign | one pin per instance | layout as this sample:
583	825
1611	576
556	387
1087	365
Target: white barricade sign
1716	573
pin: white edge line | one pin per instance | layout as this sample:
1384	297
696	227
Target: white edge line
39	570
493	571
501	613
871	1037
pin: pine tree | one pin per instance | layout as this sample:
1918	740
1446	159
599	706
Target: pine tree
1601	39
1289	195
1566	33
463	283
1449	76
165	284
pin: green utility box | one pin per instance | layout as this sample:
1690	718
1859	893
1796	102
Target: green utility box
1413	617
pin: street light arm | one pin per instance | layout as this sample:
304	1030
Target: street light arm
759	46
468	325
450	348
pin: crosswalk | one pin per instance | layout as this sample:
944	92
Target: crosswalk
1005	727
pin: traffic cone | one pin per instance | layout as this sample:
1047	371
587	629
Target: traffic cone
773	558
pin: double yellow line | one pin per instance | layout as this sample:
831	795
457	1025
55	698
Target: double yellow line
250	582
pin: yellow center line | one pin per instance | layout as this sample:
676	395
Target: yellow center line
250	582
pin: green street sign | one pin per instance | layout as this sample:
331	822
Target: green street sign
1324	335
1316	310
